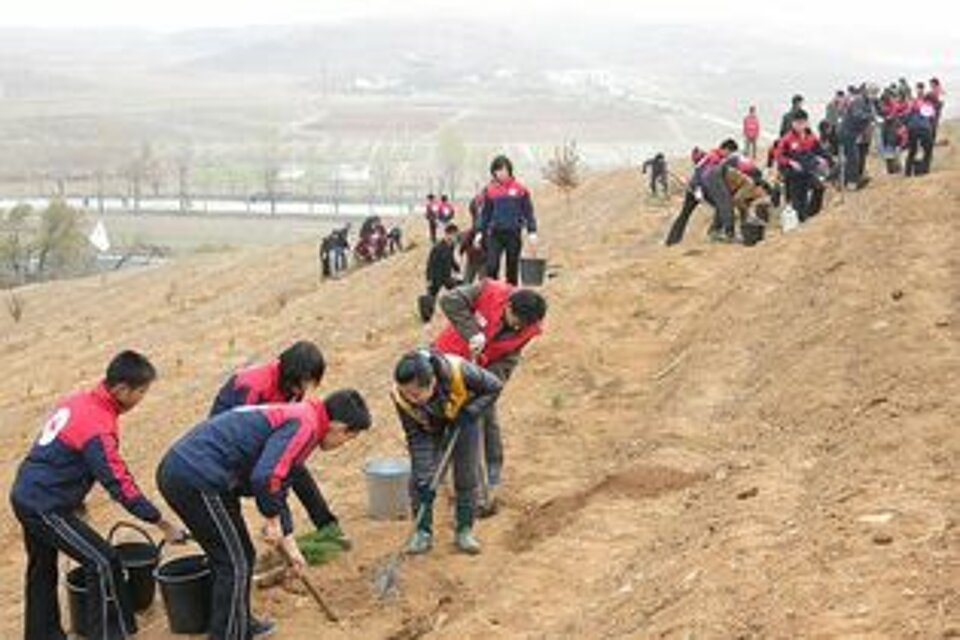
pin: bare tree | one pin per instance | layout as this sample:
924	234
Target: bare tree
15	249
15	305
564	169
184	163
383	169
451	157
271	173
138	171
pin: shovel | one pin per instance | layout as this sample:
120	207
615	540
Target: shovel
311	589
387	576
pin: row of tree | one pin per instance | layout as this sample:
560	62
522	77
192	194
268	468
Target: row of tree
43	245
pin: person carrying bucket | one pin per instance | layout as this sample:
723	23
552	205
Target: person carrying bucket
439	399
250	451
507	210
491	322
79	445
296	373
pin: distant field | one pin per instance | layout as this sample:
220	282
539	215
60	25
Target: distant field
198	233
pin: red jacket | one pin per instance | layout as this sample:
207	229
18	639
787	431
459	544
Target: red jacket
445	213
257	384
751	127
489	308
79	444
252	450
798	147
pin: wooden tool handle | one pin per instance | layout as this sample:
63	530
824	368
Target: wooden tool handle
314	593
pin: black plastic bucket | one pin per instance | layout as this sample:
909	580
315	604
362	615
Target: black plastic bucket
426	304
139	560
77	596
532	271
186	584
752	233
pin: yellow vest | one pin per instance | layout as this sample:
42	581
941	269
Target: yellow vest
458	395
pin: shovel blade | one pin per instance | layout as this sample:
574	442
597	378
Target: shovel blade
386	579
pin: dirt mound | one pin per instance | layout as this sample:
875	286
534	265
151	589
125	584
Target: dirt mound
708	441
549	518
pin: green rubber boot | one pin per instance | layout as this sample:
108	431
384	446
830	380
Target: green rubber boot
419	543
466	542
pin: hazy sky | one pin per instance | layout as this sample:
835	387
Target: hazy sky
177	14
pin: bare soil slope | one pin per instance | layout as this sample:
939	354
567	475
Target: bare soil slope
709	441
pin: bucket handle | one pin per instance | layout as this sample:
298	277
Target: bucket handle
187	537
138	529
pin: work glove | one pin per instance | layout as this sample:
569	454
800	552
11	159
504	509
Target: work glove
477	344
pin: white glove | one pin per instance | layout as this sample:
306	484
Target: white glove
532	237
698	194
478	241
477	343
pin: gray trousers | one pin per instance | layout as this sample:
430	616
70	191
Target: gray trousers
492	445
715	188
426	451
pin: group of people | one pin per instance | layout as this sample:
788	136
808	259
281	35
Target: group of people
262	427
802	162
375	242
264	423
499	214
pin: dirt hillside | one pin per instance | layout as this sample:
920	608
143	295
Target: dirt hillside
708	442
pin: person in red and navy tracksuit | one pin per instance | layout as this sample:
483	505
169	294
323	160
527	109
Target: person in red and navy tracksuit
490	323
290	378
802	158
249	451
446	212
78	446
471	251
507	210
432	214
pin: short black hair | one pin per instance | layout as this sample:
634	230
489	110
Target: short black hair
349	407
451	228
130	368
529	306
444	197
300	362
730	145
501	162
797	99
800	114
414	366
431	196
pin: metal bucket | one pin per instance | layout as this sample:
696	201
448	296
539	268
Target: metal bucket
388	481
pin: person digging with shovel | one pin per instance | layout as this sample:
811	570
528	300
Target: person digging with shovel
250	451
295	374
439	399
491	323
